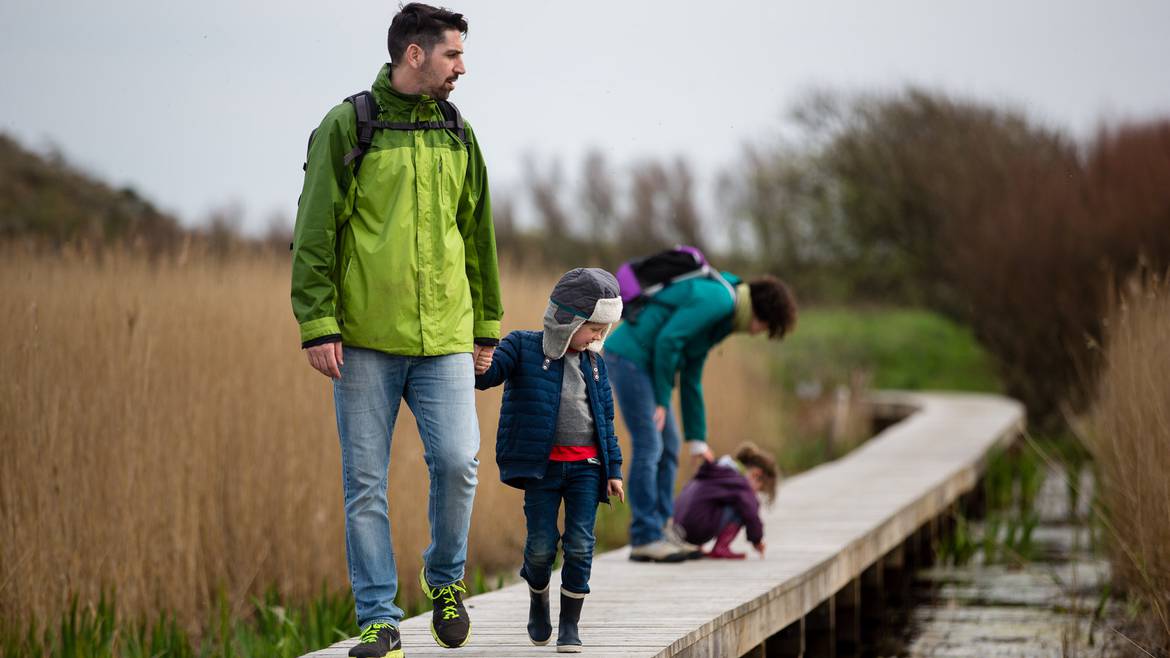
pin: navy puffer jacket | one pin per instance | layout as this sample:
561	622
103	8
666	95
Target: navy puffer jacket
532	398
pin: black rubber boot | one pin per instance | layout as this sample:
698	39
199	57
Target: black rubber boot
539	618
568	639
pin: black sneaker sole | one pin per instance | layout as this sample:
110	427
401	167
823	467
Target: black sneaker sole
443	644
680	557
393	653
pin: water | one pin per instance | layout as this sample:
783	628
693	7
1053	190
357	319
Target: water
1053	604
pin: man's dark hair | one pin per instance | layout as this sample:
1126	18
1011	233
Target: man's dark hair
421	24
773	303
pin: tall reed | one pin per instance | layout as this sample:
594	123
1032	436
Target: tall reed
1129	437
162	436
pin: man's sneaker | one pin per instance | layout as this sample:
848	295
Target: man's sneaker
657	551
450	625
674	535
378	640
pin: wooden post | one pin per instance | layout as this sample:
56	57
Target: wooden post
897	577
848	619
873	603
819	636
788	643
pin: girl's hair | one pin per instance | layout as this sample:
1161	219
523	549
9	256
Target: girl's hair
750	456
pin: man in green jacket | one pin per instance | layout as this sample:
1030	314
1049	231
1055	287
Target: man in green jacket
670	340
395	285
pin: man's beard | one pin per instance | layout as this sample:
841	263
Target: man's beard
438	89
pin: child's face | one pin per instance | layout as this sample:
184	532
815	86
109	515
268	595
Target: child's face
585	334
755	476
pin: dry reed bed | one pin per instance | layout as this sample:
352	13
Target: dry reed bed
162	435
1130	441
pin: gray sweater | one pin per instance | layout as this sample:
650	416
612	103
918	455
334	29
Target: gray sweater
575	419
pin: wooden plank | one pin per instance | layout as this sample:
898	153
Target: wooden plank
825	529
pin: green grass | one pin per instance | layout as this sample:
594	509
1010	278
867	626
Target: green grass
895	348
272	628
909	349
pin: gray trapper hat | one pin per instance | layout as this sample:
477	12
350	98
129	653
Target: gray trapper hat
585	294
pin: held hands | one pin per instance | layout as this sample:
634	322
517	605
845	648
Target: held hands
326	358
615	489
482	355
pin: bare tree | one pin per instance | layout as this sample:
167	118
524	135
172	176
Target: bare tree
598	196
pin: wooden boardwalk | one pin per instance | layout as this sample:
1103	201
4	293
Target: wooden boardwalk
827	526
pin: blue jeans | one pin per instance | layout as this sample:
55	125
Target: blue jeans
577	483
655	460
440	392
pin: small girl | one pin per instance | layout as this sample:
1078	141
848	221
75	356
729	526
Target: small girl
722	498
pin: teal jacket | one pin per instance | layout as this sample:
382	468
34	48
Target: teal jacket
400	258
673	334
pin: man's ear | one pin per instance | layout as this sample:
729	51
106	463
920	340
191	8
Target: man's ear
415	56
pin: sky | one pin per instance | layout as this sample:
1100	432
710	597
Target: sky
201	106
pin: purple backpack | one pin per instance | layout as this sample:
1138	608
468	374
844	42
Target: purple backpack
640	279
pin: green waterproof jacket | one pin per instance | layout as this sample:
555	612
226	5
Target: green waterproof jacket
402	257
672	336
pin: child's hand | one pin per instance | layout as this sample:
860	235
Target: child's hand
760	546
615	489
483	358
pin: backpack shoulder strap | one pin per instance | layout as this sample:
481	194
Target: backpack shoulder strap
454	119
367	111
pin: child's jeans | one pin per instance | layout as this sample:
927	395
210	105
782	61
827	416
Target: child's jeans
577	483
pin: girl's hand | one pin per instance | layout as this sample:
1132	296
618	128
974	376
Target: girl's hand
760	546
615	489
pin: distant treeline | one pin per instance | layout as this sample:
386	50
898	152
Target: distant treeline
909	198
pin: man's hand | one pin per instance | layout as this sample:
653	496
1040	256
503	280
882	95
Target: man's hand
482	355
326	358
615	489
659	417
760	547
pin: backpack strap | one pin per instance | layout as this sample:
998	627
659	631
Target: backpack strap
452	120
452	115
366	109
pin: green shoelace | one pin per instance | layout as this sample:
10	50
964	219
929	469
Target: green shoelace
370	634
450	611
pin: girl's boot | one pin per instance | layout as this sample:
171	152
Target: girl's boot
568	639
722	549
539	619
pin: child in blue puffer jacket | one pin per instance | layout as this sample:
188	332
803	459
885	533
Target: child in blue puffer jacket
556	440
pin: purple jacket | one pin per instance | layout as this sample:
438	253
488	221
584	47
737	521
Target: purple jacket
699	506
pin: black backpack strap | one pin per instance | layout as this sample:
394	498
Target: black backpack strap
367	110
452	120
453	117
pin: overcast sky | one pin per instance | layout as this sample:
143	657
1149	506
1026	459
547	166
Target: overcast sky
198	105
